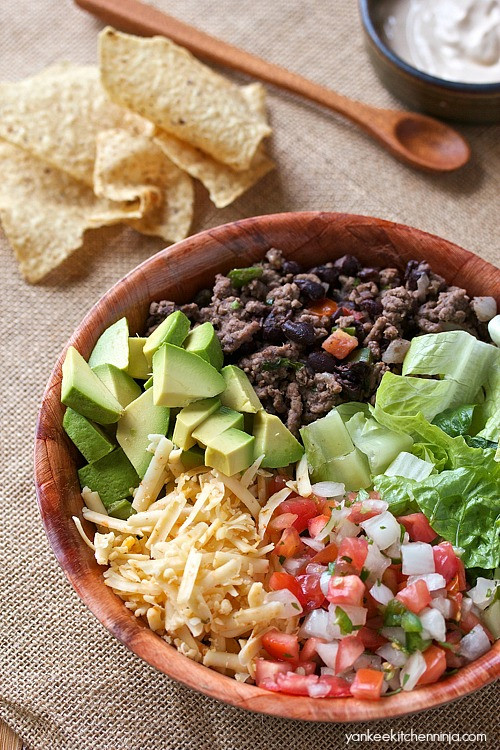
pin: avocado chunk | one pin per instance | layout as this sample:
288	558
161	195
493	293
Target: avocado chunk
204	342
351	469
141	418
221	420
122	386
112	476
138	365
275	441
88	437
326	438
230	451
82	391
378	443
121	509
148	383
181	377
189	418
112	346
173	330
239	393
192	458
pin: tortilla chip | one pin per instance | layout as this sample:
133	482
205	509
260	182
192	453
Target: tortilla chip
223	183
167	85
131	167
45	212
57	114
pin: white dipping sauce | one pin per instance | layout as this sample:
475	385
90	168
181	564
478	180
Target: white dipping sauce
458	40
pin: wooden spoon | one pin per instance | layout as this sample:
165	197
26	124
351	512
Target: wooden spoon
415	139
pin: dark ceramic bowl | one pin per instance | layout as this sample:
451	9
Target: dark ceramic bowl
465	102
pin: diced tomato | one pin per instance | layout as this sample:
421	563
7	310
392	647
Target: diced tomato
326	506
308	652
371	605
303	507
281	580
470	620
435	661
295	684
309	667
267	670
375	623
390	579
326	555
284	521
346	590
453	660
290	543
317	524
445	560
275	484
370	638
349	649
323	307
311	591
340	344
418	527
282	646
353	551
361	512
339	688
415	597
367	684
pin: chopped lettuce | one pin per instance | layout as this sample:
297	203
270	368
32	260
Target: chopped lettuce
455	421
489	411
396	492
351	408
409	466
398	395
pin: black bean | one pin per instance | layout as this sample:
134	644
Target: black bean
327	273
272	329
371	306
347	265
300	333
310	289
291	266
321	361
369	274
203	298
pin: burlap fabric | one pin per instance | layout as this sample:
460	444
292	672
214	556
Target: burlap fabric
65	683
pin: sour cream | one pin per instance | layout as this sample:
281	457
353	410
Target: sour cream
457	40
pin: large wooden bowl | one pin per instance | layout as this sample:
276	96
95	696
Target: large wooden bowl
177	273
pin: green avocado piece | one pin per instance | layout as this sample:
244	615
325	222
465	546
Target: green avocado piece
112	346
204	342
141	418
352	470
275	441
121	509
189	418
173	330
82	391
221	420
138	365
88	437
239	393
192	458
326	438
181	377
230	451
148	383
122	386
112	476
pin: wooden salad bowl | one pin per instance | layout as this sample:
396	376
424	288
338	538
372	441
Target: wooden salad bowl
177	273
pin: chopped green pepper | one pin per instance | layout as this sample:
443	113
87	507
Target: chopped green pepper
343	621
410	622
415	642
393	613
361	355
241	276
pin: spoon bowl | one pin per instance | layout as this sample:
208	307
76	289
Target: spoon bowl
431	143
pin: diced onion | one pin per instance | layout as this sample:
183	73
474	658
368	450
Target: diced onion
412	671
368	661
474	644
315	544
434	581
394	656
328	653
484	307
317	625
433	621
318	689
494	329
357	615
417	558
381	593
324	582
483	592
445	606
328	489
347	529
383	529
376	563
394	634
291	605
396	351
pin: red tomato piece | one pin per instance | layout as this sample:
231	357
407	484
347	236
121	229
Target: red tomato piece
326	555
353	551
390	579
370	638
361	512
275	484
367	684
308	652
311	591
346	590
279	581
445	560
267	670
317	524
339	688
323	307
290	543
295	684
453	660
418	527
282	646
415	597
284	521
350	648
340	344
303	507
435	662
309	667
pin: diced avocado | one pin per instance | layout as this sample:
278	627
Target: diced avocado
82	390
378	443
221	420
138	365
112	346
181	377
326	438
173	330
203	341
230	452
192	458
121	509
88	437
112	476
351	470
275	441
189	418
148	383
239	393
141	418
491	618
122	386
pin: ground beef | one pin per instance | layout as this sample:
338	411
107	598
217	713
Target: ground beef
266	327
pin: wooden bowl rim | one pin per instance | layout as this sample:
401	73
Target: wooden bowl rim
146	644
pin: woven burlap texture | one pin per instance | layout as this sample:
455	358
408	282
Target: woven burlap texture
65	683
